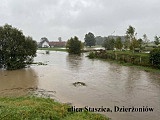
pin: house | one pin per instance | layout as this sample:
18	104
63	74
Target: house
44	42
57	44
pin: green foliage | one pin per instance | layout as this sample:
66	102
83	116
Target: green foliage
118	43
140	43
157	40
145	38
131	38
155	58
91	55
90	39
53	49
126	43
16	50
130	33
74	46
134	44
109	43
124	57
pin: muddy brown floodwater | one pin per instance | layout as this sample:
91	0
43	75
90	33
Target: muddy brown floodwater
106	84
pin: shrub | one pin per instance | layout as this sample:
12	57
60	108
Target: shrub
74	45
91	55
155	58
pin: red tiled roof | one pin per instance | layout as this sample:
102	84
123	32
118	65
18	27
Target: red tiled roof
57	43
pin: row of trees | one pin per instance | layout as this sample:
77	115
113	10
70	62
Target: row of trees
131	42
16	50
108	43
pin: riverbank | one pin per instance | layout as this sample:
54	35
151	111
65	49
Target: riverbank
31	108
126	58
63	49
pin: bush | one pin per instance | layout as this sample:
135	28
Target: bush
74	46
155	58
16	50
127	57
91	55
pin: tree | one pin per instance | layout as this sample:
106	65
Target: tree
74	46
157	40
44	39
134	44
155	57
145	39
16	50
126	44
131	37
130	33
90	39
140	42
118	43
109	43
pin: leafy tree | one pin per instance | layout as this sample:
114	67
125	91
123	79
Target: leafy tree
90	39
134	44
16	50
131	36
126	44
44	39
109	43
155	57
130	33
140	42
157	40
74	46
118	43
145	39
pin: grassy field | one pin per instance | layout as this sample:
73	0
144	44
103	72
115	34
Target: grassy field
54	49
129	53
35	108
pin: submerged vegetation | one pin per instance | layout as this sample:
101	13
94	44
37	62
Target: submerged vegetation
127	57
35	108
16	50
74	46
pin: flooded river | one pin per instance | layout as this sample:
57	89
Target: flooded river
107	84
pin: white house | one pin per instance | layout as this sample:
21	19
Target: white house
45	44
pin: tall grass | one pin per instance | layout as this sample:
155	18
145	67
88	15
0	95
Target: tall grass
35	108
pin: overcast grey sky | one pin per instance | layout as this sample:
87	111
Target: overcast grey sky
68	18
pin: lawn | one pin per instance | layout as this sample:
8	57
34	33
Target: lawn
54	49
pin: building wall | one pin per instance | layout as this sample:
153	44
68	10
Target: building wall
45	44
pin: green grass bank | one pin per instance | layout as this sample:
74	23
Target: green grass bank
127	58
54	49
36	108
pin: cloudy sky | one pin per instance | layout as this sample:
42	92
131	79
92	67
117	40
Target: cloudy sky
68	18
